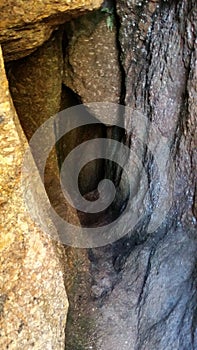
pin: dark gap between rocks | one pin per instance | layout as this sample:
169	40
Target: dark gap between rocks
90	274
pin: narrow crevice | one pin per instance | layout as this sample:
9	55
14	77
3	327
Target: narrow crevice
122	71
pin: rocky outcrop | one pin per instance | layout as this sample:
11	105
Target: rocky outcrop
33	301
25	25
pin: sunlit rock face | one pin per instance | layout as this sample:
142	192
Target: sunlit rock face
33	300
26	25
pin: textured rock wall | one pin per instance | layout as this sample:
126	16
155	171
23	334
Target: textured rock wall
153	305
25	25
33	301
91	67
139	293
92	71
36	83
143	288
92	172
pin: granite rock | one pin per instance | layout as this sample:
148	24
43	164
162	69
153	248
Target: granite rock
26	25
33	300
91	66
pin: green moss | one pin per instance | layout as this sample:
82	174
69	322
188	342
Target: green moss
110	17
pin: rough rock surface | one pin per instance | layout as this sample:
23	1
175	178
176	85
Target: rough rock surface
92	71
140	292
36	83
25	25
143	289
153	302
91	63
33	300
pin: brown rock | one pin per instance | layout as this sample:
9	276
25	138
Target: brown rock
35	84
92	70
25	25
91	65
33	301
153	305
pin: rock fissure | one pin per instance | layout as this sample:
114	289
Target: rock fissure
140	291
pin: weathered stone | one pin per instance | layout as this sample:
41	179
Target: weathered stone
153	303
92	71
91	64
144	286
140	292
36	83
25	25
33	301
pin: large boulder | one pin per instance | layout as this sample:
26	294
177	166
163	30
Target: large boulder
33	300
153	304
91	66
143	289
26	25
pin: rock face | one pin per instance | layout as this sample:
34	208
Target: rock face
93	171
143	289
26	25
139	292
91	66
153	302
33	301
36	83
92	71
